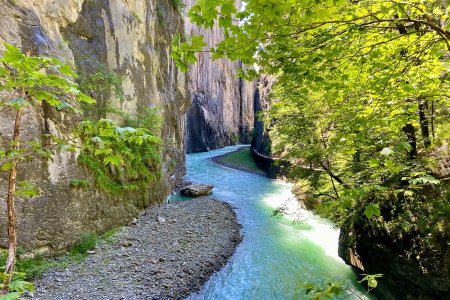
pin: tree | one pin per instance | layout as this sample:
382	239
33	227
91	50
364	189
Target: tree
361	96
27	81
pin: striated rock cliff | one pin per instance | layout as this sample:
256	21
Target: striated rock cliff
222	105
129	38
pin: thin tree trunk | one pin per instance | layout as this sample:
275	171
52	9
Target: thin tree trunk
11	260
432	119
423	106
334	187
410	132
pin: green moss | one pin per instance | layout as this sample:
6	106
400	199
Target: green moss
160	16
178	6
136	17
171	166
79	184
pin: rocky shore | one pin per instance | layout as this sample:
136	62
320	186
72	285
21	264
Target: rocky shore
168	253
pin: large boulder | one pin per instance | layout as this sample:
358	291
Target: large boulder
197	190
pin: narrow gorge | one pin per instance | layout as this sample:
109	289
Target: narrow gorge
128	42
323	126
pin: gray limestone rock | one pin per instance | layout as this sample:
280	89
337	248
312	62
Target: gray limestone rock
130	38
222	104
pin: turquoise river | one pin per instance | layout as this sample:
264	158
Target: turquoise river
276	255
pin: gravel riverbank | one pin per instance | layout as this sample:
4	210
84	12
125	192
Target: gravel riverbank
170	252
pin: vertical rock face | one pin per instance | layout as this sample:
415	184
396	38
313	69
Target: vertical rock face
132	38
222	105
261	140
261	143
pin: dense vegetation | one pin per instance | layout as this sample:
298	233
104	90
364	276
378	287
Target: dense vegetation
361	98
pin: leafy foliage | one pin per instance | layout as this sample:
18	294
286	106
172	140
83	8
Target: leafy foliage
102	82
334	289
36	76
87	242
360	99
184	52
27	81
121	158
16	288
330	290
150	120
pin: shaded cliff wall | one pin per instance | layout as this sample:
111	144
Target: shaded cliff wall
404	277
261	145
222	105
130	37
261	141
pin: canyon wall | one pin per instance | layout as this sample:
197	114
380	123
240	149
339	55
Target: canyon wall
130	38
222	105
261	144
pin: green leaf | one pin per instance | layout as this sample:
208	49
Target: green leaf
66	70
405	146
424	180
197	43
373	162
18	103
347	203
65	105
11	296
12	54
371	279
112	160
85	98
371	210
228	9
6	166
20	286
372	283
386	151
26	189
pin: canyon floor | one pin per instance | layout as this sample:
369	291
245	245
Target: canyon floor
168	253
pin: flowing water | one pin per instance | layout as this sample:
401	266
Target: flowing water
276	255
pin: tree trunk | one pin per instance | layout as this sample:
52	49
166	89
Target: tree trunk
432	118
11	260
410	132
423	106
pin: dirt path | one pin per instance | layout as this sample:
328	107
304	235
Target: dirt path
169	253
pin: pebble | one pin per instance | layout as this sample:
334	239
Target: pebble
150	261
